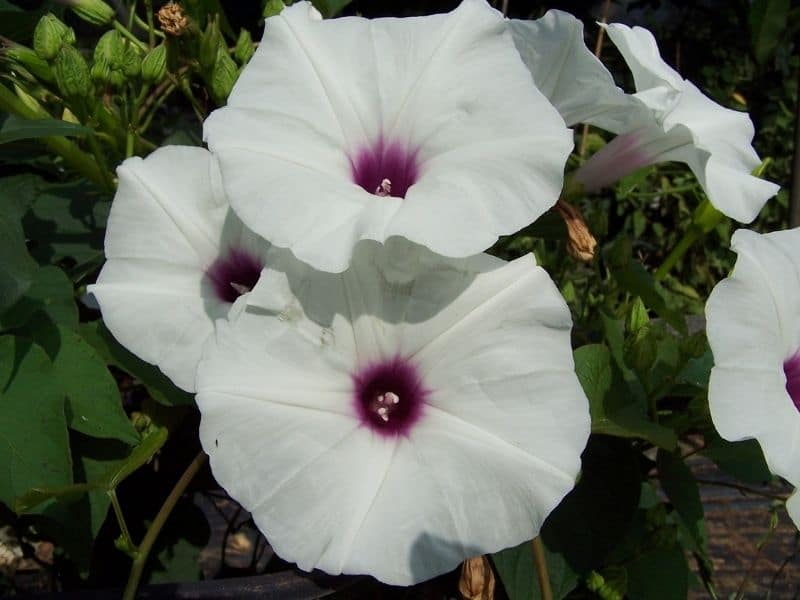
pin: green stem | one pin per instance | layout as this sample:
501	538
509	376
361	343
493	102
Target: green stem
705	218
128	35
155	527
151	31
73	156
123	526
541	569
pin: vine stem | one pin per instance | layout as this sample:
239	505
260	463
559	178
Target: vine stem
541	568
137	568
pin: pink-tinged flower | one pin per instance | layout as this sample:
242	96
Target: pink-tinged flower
667	119
399	417
753	322
177	258
428	128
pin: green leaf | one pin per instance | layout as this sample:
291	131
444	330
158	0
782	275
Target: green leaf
635	279
613	408
18	192
681	488
661	574
17	268
177	551
744	460
66	220
94	406
34	446
517	571
16	128
595	515
593	367
330	8
158	385
767	20
50	292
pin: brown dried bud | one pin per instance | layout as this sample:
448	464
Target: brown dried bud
477	579
580	241
172	19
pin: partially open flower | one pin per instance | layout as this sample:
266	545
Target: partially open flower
680	124
429	128
399	417
753	322
667	119
176	259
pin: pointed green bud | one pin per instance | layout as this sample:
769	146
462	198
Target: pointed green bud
49	35
101	72
117	78
31	61
95	12
154	64
110	49
244	47
210	42
272	8
131	62
72	73
223	77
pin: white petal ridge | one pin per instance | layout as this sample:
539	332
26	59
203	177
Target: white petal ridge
505	411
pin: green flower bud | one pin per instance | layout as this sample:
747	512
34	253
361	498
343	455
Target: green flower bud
244	47
117	78
154	64
131	63
110	49
101	72
72	73
31	61
49	35
223	76
272	8
95	12
210	42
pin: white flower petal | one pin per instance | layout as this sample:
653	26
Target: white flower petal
446	93
753	325
502	410
674	121
168	225
569	75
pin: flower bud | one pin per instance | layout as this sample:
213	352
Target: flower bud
223	76
95	12
580	241
244	47
110	49
31	61
210	42
49	35
272	8
101	72
154	64
72	73
131	62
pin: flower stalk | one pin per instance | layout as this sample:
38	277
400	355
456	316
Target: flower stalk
143	552
541	568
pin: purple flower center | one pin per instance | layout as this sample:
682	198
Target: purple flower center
234	273
791	367
389	396
385	169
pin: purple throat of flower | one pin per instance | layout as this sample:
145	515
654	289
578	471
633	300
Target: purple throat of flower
791	368
385	168
235	272
389	396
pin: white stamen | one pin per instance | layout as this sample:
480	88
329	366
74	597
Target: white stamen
384	189
241	289
392	397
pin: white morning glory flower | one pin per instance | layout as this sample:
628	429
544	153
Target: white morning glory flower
429	128
667	119
400	417
753	323
177	258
